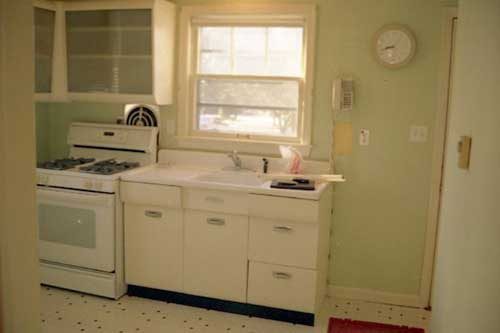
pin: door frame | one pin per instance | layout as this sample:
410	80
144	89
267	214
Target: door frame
19	270
449	19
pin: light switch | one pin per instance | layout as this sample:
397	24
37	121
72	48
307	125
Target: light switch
418	134
364	137
464	146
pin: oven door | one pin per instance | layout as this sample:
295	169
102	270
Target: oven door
77	228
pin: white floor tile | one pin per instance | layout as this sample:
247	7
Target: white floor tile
67	312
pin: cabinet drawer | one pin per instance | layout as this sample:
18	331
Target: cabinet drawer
215	255
279	242
153	247
216	201
299	210
282	287
150	194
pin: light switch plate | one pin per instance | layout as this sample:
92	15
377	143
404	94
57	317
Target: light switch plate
418	134
364	137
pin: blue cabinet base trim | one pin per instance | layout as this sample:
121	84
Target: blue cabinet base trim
294	317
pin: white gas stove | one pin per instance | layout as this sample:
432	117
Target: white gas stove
79	211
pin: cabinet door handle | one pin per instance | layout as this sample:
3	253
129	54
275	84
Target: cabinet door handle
282	228
214	199
153	214
216	221
282	275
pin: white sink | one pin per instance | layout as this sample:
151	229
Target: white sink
243	178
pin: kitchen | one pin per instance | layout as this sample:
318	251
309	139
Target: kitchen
177	121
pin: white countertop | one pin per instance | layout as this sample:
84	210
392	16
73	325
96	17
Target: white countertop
186	176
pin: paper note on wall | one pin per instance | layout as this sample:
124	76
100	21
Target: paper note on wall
343	138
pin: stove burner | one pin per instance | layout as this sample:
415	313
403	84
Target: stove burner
64	163
109	167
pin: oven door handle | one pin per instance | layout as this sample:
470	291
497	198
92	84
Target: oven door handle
101	199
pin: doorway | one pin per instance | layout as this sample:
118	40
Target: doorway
449	32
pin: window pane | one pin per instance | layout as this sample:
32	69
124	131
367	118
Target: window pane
251	50
261	107
215	45
285	51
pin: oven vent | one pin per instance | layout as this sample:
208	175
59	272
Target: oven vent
141	115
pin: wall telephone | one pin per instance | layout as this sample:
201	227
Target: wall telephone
343	94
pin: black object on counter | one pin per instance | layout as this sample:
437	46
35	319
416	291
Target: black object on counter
265	165
295	184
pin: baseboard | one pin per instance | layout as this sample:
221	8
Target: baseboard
375	296
294	317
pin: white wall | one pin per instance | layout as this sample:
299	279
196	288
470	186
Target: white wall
466	296
19	289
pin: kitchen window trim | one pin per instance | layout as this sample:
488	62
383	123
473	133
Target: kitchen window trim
187	137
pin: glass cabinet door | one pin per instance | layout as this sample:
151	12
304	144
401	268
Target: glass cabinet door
109	51
44	20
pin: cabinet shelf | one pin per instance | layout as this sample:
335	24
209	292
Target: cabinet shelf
43	56
110	56
44	28
109	29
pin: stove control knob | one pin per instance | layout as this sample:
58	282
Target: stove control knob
98	186
87	184
43	179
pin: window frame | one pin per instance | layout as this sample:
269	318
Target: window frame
191	17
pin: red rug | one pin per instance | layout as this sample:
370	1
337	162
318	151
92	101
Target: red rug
351	326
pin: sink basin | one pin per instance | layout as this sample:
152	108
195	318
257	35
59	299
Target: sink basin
243	178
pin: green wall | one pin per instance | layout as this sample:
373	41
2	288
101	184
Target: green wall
381	212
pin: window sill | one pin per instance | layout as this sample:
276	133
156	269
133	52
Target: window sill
242	146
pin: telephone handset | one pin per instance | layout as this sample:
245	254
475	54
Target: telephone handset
343	94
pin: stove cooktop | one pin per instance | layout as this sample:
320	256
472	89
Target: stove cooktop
64	163
109	167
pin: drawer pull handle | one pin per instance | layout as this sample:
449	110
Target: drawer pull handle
282	275
216	221
282	228
153	214
214	199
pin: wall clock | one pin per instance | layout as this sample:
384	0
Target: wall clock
395	45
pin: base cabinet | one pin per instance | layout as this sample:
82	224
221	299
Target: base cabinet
282	287
153	247
283	242
260	250
215	255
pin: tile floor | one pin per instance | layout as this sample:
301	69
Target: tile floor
65	311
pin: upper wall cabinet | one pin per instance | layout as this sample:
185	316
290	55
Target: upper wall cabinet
119	51
44	48
50	67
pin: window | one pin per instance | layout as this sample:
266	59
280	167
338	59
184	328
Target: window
245	76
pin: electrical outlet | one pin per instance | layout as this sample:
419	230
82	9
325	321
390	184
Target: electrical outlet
418	134
364	137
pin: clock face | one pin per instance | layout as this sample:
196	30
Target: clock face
394	46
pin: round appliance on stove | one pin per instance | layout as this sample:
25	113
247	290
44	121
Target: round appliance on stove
142	115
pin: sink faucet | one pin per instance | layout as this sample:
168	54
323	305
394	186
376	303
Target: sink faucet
235	158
